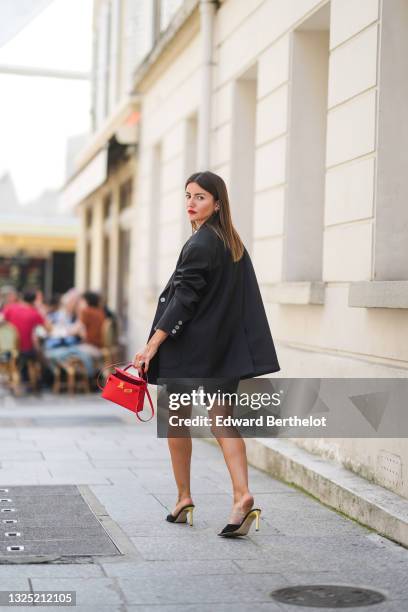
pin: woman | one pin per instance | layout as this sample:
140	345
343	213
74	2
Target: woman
210	322
84	336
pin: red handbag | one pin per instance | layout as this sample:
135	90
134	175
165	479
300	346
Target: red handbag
126	390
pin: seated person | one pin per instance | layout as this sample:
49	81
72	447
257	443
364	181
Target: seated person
53	307
92	316
25	318
88	327
8	295
62	319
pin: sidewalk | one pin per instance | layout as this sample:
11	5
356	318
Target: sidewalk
169	567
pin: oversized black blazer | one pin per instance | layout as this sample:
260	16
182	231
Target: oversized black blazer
213	311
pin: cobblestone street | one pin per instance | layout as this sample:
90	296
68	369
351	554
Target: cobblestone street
127	473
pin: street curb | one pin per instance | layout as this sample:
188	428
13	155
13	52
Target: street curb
368	503
119	538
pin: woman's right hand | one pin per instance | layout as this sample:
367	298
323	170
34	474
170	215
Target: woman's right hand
144	356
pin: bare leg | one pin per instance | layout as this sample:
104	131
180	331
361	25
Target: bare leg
234	451
180	446
180	451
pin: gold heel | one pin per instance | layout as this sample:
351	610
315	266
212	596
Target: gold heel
190	516
257	520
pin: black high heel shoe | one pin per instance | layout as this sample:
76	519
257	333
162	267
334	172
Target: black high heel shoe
181	516
239	529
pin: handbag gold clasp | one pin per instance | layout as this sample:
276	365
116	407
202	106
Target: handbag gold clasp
121	385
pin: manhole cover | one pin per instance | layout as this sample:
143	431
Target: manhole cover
327	596
48	521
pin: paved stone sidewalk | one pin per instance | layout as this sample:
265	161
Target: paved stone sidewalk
170	567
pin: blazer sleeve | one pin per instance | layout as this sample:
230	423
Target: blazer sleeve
190	283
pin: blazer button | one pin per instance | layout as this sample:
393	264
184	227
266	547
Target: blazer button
180	322
162	299
177	326
173	331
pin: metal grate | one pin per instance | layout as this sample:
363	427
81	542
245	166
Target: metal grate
52	520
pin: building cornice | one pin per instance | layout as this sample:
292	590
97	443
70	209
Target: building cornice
182	28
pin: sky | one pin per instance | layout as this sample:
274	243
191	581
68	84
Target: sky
39	114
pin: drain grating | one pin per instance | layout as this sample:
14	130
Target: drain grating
50	520
327	596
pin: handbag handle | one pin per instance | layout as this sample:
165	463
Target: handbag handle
151	407
144	374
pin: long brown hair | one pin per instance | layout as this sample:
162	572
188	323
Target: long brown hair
220	221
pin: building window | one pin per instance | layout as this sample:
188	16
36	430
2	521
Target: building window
88	245
306	161
168	9
125	195
102	63
243	147
155	202
190	165
124	283
107	206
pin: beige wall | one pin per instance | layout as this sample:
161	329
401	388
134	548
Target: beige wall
167	129
302	229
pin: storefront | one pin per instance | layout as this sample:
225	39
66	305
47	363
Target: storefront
38	253
102	192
